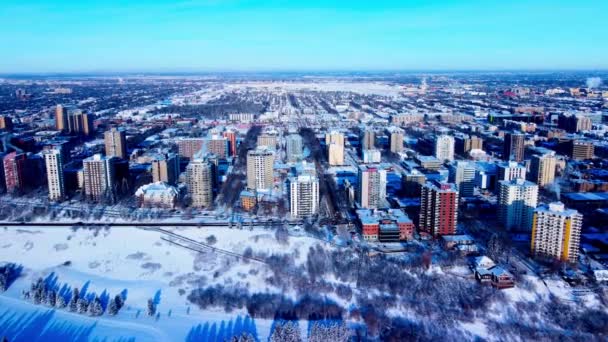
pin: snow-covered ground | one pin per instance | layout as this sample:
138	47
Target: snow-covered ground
142	263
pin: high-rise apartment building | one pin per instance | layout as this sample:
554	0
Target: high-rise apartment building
268	139
6	123
15	165
464	143
396	136
517	200
99	178
54	174
335	154
371	186
61	118
260	169
444	147
294	147
514	145
556	232
231	136
581	150
303	196
542	169
79	122
218	145
116	143
200	177
438	208
334	137
462	174
368	139
510	170
165	168
188	147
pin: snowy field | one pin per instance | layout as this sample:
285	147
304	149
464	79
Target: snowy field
141	264
367	88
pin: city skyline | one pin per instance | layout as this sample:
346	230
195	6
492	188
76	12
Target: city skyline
224	36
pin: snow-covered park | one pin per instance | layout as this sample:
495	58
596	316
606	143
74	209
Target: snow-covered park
140	264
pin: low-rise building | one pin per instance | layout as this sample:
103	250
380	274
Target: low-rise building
390	225
158	195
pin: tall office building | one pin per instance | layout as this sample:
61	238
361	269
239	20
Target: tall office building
438	208
542	169
231	136
303	196
294	147
444	147
200	178
165	168
513	148
61	118
260	169
116	143
396	139
510	170
517	200
99	178
462	174
368	139
556	232
371	186
53	160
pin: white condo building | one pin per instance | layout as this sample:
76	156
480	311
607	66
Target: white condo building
54	174
462	173
444	147
303	196
510	170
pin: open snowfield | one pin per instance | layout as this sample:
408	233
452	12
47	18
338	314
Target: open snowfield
140	264
369	88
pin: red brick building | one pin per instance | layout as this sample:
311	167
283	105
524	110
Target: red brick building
438	208
385	225
231	136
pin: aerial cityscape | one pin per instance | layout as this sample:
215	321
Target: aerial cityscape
300	204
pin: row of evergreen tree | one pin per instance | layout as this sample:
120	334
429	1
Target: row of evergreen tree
41	294
319	331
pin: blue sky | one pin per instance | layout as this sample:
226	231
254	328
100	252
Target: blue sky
231	35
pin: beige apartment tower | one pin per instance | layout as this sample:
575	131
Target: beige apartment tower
542	169
116	143
260	169
199	175
165	168
98	174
